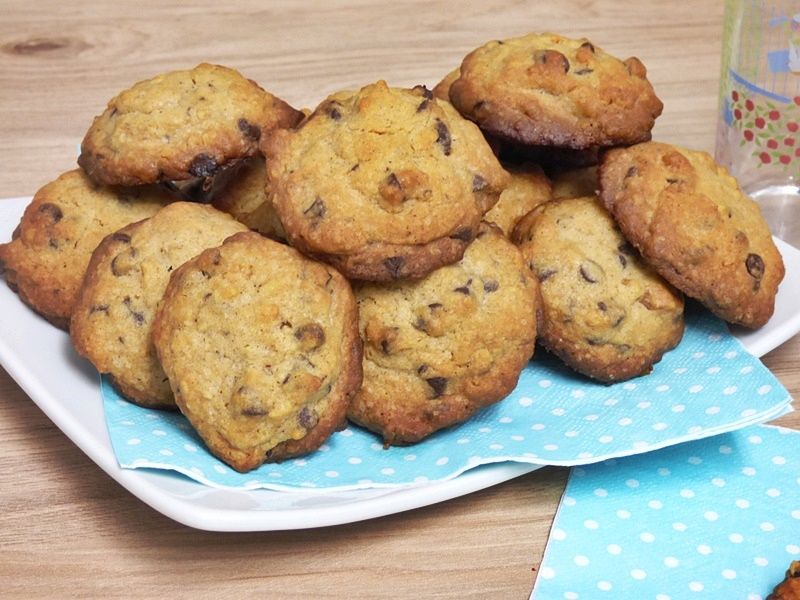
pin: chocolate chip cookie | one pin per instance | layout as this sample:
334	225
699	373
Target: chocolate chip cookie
181	125
383	183
126	277
47	257
246	200
438	349
604	312
261	348
694	225
527	189
549	90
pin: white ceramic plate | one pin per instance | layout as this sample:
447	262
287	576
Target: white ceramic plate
41	360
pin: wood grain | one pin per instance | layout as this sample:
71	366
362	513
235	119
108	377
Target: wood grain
67	529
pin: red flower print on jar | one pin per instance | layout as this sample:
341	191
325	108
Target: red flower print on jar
765	158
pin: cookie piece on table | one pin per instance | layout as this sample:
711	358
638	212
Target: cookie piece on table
549	90
181	126
574	183
604	312
47	257
276	335
694	225
383	183
789	588
438	349
527	189
245	198
126	277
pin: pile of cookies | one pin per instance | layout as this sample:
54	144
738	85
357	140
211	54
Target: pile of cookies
390	257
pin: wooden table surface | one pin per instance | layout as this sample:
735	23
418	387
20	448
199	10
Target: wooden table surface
66	528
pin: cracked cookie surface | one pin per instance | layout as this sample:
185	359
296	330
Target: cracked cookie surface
440	348
604	312
384	183
694	225
47	257
548	90
181	125
276	338
113	317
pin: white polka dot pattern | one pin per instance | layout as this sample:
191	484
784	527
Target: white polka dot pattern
708	547
708	385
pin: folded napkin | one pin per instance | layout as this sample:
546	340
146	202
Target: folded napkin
716	518
708	385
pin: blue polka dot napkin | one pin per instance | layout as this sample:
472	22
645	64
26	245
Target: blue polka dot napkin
716	518
709	384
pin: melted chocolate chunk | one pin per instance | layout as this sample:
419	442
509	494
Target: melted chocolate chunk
464	234
755	266
311	336
546	274
490	286
53	210
438	385
334	114
394	264
444	139
478	183
423	105
602	306
424	91
137	317
249	130
203	165
316	210
585	71
588	274
253	411
631	172
121	237
308	418
95	308
422	368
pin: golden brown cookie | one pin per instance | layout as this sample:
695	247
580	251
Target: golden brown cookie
384	183
694	225
246	199
261	348
789	588
548	90
527	189
604	312
181	125
126	277
50	249
441	90
440	348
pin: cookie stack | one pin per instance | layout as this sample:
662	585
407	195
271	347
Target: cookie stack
389	257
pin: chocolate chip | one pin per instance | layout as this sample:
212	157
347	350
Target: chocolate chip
444	139
588	46
546	274
393	180
435	305
253	411
622	260
203	165
123	262
121	237
423	105
585	71
394	264
589	273
310	335
424	91
53	243
464	289
385	346
631	172
464	234
53	210
286	379
490	286
308	417
422	368
95	308
137	317
551	57
755	266
249	130
478	183
420	324
316	210
626	248
602	306
355	167
334	114
438	385
672	180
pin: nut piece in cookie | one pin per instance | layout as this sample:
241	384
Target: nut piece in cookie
438	349
604	312
692	222
528	188
47	257
383	183
245	198
126	277
261	348
181	126
548	90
